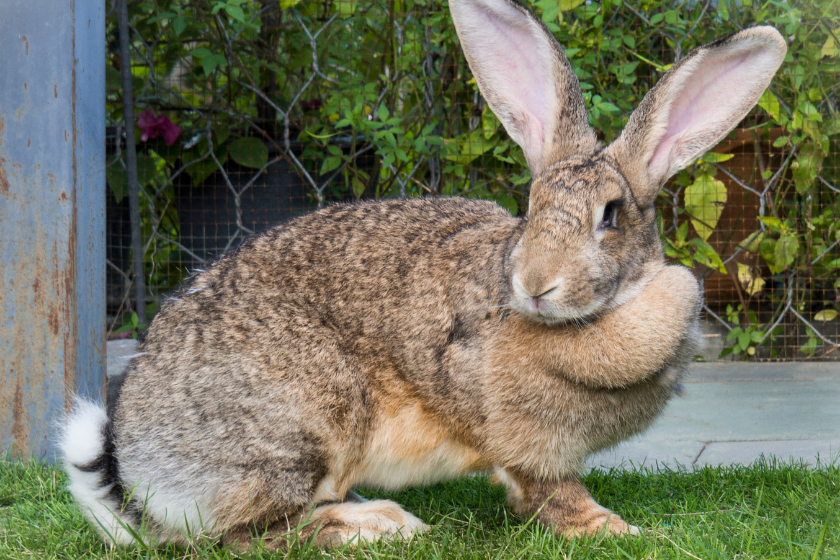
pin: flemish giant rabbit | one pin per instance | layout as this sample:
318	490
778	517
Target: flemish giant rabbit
402	342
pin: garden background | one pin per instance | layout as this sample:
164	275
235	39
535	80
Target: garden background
249	113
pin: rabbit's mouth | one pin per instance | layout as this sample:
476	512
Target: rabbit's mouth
552	308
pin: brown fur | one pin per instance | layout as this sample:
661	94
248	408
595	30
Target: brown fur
406	341
566	506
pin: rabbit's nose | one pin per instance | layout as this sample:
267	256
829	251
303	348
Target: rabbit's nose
536	288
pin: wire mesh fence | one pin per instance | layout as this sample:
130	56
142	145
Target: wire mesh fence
250	114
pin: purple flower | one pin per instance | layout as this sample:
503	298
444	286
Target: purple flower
311	105
152	126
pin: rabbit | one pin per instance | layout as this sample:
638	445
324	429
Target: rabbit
406	341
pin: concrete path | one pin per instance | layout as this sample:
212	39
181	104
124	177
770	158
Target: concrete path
731	413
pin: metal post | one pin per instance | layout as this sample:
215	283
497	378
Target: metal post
52	217
131	163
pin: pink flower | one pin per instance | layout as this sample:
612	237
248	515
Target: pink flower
311	105
151	126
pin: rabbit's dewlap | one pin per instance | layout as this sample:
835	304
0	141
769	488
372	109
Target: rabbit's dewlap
406	341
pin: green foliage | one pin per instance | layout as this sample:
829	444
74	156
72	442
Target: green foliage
131	326
386	106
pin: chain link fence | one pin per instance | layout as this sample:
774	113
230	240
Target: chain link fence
250	114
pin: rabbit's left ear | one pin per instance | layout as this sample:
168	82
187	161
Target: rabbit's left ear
525	78
694	105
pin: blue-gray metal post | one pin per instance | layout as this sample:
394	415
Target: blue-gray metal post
52	217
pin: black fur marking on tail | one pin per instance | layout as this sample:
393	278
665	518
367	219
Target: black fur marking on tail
108	465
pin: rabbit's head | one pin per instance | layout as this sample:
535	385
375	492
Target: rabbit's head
591	237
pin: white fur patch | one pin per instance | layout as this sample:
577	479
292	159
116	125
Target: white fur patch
82	440
82	443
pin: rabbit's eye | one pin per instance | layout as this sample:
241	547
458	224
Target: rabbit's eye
610	218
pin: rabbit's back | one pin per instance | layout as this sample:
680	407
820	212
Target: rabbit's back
276	363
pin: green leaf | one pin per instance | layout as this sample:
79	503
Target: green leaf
780	141
807	166
705	254
329	164
489	123
249	152
744	340
608	107
774	224
566	5
146	169
288	3
346	7
826	315
118	180
201	52
769	103
508	203
752	284
786	250
704	202
178	25
829	48
235	12
212	62
712	157
472	147
550	10
358	187
723	11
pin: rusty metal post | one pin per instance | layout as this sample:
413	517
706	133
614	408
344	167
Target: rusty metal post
52	217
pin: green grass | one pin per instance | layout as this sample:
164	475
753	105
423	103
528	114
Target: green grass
764	511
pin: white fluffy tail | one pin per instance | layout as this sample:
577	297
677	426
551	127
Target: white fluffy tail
87	450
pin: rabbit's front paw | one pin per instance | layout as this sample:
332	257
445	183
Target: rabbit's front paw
679	289
564	505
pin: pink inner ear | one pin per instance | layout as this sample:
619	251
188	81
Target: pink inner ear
709	98
515	60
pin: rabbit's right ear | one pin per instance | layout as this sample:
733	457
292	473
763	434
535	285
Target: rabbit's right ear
526	79
694	105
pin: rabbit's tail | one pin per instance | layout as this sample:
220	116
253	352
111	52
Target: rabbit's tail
87	447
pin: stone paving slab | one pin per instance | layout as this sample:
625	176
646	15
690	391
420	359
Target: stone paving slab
641	452
752	410
810	452
118	354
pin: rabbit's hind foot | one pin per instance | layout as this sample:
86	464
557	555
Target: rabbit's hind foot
357	521
353	521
